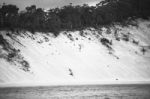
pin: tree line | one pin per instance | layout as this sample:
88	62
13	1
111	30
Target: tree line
71	17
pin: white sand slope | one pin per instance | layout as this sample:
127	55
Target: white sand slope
79	57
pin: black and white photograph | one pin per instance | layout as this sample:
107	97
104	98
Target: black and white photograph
74	49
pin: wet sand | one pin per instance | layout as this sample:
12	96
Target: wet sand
77	92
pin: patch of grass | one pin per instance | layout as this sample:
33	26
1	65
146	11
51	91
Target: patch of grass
12	55
125	37
135	42
25	65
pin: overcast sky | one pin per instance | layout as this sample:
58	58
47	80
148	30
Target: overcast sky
47	3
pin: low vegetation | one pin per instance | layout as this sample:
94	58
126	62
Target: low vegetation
12	55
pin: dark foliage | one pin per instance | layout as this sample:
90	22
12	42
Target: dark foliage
72	17
25	65
135	42
125	37
106	43
12	55
4	43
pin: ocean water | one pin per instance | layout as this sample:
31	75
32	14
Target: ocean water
77	92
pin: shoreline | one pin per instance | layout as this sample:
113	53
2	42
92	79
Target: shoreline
102	83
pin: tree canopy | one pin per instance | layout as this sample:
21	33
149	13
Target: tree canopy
72	17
